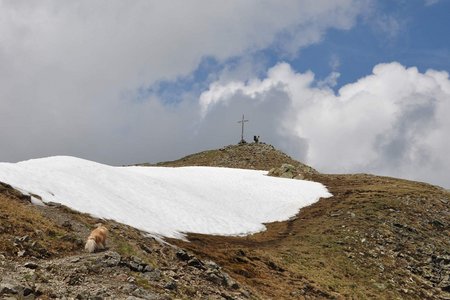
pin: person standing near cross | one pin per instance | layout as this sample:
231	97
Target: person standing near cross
242	133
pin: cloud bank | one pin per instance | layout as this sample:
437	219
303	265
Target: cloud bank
392	122
70	71
72	75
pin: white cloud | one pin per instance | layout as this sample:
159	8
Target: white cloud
66	66
392	122
431	2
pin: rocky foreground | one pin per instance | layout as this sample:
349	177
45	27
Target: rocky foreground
378	237
42	257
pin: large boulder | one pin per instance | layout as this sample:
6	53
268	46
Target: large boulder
286	171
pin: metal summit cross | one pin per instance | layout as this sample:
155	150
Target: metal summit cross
242	134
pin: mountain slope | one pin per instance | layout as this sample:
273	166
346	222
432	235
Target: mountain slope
377	237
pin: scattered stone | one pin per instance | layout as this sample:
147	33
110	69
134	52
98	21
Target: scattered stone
335	214
446	288
214	278
133	263
8	288
183	255
31	265
67	225
27	292
171	285
111	259
82	296
274	266
196	263
211	265
299	177
154	275
147	268
134	266
229	282
22	239
74	279
437	223
286	171
146	248
121	277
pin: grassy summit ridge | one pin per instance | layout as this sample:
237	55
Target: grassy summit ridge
245	156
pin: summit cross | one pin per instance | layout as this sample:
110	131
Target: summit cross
242	133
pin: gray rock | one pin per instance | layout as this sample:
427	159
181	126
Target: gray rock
147	268
111	259
134	266
287	174
335	214
31	265
146	248
8	288
22	239
154	275
196	263
67	225
171	285
211	265
214	278
82	296
28	292
229	282
183	255
286	171
299	177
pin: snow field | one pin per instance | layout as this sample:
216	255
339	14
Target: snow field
166	201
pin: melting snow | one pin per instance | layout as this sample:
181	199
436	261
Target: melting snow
165	201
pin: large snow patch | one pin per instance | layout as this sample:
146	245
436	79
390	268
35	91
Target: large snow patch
165	201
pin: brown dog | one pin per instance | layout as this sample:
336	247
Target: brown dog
97	239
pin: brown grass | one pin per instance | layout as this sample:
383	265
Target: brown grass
18	219
331	249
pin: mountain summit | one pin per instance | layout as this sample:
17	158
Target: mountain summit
258	156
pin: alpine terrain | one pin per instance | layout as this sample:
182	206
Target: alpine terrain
178	230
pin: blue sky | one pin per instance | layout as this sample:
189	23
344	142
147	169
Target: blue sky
419	37
412	32
343	85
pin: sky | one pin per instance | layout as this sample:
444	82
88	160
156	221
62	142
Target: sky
346	86
165	201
